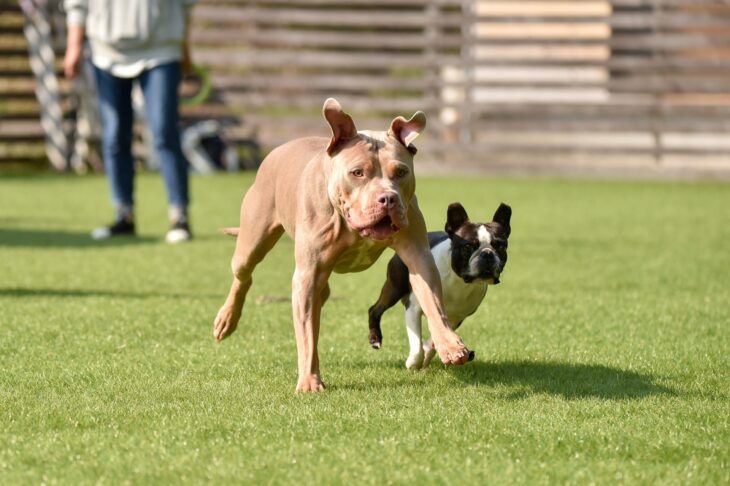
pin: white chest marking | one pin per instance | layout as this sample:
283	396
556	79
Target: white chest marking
461	299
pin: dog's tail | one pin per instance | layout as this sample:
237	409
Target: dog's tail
230	231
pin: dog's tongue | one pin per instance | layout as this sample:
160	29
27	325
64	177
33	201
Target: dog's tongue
381	233
381	230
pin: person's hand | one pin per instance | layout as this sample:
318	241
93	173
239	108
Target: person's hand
72	61
74	51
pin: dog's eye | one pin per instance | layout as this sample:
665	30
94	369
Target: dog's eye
357	172
401	172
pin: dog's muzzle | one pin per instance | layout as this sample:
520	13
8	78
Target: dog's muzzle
485	266
381	227
379	222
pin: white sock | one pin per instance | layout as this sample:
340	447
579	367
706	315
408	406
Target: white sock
178	214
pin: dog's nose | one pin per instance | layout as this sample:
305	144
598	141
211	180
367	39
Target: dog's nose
487	254
388	199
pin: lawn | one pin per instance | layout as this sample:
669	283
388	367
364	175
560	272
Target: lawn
603	357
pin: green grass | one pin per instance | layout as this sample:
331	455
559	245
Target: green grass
603	357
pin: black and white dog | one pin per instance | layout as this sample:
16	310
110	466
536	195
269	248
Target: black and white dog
469	256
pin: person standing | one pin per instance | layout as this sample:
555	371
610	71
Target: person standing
144	42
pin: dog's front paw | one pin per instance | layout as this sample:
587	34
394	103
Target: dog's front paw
415	361
452	351
225	322
309	384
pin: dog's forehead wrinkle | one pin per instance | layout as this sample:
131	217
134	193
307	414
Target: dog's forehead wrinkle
371	147
357	162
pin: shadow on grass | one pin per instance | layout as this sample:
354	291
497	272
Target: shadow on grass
29	238
525	378
569	380
16	292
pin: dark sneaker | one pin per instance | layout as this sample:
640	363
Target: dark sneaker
121	227
179	232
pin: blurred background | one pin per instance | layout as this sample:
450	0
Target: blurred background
628	88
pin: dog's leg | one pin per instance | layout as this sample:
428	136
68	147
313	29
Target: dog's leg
386	300
325	294
428	352
413	329
395	288
412	247
308	289
257	234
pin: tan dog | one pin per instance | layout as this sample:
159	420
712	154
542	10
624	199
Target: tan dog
344	201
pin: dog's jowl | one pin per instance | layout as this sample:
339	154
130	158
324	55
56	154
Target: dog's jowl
343	200
469	256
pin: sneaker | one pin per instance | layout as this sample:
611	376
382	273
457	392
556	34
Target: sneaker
121	227
180	231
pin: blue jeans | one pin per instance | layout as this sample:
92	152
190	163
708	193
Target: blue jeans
160	88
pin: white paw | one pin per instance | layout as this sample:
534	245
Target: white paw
415	361
430	353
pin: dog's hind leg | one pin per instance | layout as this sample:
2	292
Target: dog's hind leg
395	288
258	233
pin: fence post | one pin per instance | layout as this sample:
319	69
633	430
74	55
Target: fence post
658	56
37	31
467	63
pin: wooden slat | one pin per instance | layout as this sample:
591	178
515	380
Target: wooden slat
20	130
630	21
269	58
540	150
291	38
339	19
384	4
605	124
418	19
297	39
373	83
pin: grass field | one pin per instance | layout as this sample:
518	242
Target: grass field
603	357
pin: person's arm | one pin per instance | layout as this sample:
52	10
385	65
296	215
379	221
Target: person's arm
186	59
76	11
74	51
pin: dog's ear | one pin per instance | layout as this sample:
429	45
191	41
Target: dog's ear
406	131
343	128
502	215
455	218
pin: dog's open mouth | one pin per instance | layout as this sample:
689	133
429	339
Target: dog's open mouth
381	230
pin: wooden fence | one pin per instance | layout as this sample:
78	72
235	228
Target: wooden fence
637	86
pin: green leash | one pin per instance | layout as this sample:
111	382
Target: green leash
205	89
